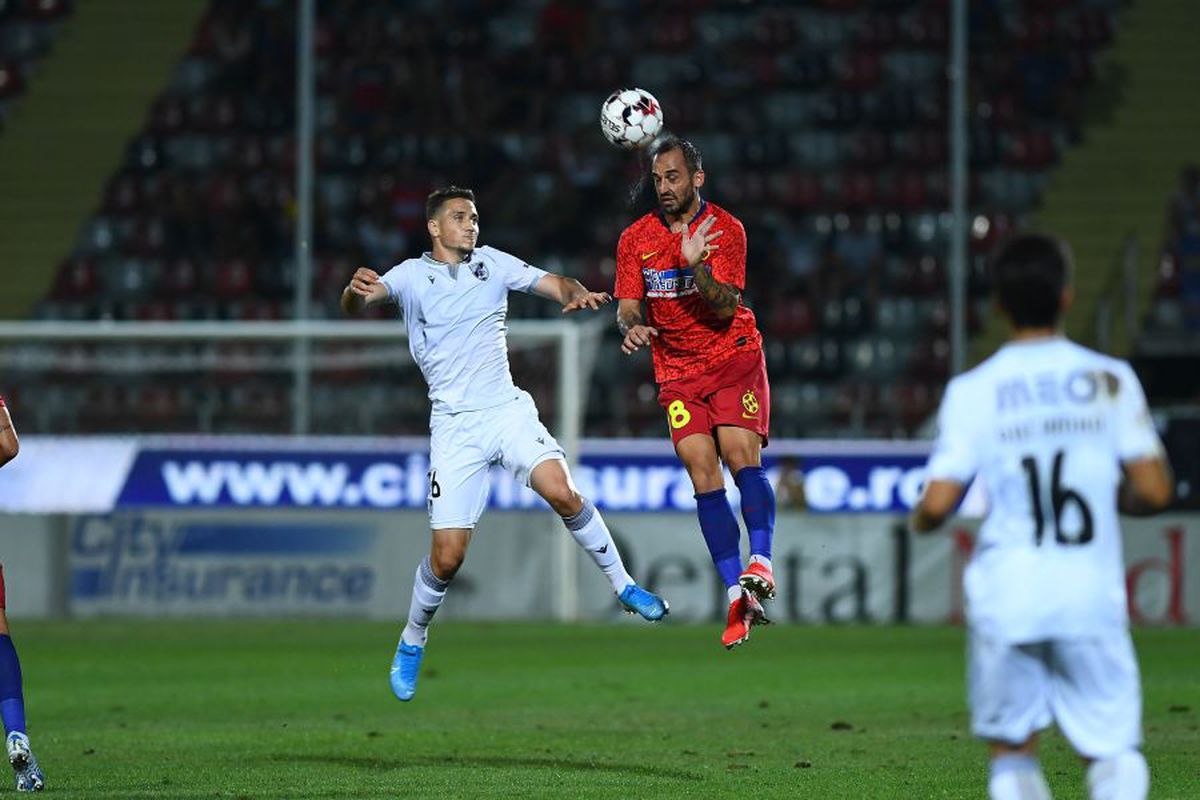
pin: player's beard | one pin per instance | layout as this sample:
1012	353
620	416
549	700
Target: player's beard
677	204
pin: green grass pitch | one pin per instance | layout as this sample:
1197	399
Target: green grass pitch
300	710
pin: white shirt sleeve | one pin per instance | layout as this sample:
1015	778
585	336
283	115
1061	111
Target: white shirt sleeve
518	275
393	279
955	451
1136	435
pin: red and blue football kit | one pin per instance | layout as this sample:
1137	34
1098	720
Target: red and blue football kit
710	371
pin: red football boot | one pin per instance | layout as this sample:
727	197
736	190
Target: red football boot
744	613
758	581
737	625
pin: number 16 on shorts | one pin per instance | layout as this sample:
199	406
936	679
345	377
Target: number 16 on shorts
435	491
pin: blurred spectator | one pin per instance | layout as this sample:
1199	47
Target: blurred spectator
822	127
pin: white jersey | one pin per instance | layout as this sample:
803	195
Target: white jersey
1045	424
455	317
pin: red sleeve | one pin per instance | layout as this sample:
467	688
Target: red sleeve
630	284
729	263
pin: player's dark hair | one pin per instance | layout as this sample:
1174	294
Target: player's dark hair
438	197
691	155
642	192
1029	273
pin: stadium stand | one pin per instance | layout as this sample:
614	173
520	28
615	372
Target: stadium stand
27	30
823	126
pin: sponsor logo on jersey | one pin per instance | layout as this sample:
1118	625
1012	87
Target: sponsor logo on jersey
648	256
669	282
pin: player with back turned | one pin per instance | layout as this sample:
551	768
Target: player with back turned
1061	438
28	774
686	263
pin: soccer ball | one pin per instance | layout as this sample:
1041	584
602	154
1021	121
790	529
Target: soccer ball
631	118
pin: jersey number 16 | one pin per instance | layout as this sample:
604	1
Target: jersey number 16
1060	497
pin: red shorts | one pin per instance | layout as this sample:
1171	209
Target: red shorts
734	392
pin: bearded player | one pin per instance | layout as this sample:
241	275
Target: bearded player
709	364
12	700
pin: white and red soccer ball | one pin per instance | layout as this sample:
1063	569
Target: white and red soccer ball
631	118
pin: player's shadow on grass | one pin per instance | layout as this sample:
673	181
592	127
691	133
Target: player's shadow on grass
499	762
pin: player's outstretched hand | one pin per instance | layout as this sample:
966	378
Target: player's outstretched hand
363	280
696	247
637	337
592	300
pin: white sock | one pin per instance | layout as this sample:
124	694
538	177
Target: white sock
428	593
1122	777
766	562
1017	776
734	592
592	535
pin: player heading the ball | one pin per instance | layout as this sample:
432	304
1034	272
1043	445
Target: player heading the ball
1061	438
686	262
454	300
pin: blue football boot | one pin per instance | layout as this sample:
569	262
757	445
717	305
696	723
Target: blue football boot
637	600
405	666
25	766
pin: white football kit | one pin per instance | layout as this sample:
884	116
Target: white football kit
1045	424
455	315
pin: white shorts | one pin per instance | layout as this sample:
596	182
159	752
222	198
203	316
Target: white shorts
1090	687
463	447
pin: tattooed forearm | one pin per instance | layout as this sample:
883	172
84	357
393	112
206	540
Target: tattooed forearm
721	297
629	317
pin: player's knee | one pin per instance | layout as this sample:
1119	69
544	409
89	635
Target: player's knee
565	501
446	560
739	458
706	478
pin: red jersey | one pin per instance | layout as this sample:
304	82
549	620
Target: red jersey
691	338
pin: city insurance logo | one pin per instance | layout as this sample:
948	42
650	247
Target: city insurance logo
154	562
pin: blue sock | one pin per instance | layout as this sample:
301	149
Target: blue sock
12	702
721	534
758	508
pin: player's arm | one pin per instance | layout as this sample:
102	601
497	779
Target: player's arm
1148	487
936	505
632	325
572	294
630	289
364	291
722	298
952	463
9	444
